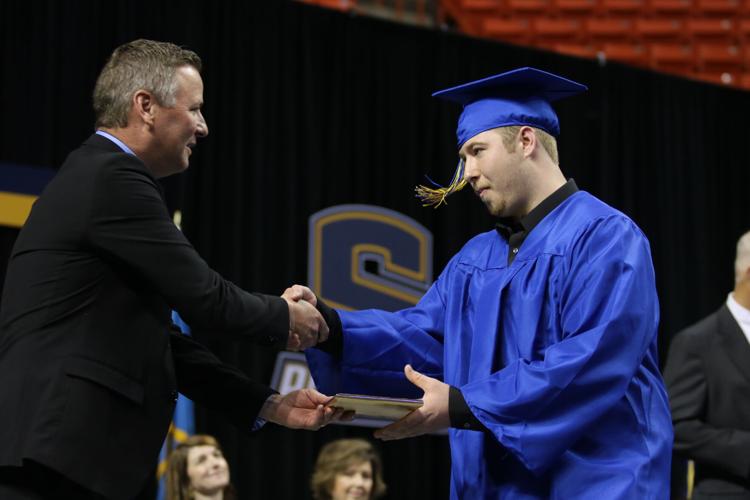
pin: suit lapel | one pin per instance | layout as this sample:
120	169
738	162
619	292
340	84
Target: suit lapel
734	341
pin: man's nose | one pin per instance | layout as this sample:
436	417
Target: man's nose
202	127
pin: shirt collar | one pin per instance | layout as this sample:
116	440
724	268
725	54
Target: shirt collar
507	225
117	141
741	315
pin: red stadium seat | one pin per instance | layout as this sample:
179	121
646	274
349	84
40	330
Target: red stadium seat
538	7
659	28
479	5
709	28
559	29
609	28
574	49
626	52
672	56
716	57
506	29
616	7
719	78
727	8
575	7
672	7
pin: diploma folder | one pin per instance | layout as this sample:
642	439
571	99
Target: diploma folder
375	406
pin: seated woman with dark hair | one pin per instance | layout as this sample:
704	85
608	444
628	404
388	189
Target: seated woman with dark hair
348	469
197	470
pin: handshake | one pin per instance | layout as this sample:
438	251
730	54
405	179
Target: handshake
307	327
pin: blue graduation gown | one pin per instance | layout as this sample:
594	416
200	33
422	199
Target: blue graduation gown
555	355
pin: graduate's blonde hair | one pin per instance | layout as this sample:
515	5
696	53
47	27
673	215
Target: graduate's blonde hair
435	196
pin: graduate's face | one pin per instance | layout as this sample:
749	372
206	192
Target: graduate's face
354	483
176	128
207	469
494	173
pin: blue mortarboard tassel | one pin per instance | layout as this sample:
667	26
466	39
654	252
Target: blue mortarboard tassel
518	97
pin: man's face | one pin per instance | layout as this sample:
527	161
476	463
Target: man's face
178	127
494	173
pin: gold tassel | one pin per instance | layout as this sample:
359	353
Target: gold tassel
436	196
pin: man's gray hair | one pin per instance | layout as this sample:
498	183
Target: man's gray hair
742	261
138	65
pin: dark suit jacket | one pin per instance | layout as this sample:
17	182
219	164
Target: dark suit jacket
89	370
708	379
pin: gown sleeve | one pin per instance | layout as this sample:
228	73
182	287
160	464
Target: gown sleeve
378	344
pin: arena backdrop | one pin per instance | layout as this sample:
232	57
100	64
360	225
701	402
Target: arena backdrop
310	109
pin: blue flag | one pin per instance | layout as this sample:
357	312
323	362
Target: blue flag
183	425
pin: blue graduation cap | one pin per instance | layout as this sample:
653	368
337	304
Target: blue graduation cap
518	97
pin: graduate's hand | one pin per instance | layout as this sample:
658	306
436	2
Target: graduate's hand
306	325
432	416
301	409
300	292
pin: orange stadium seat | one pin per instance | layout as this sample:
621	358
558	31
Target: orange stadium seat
659	28
672	56
506	29
743	28
626	52
609	28
478	5
709	28
673	7
716	57
574	49
558	28
575	7
718	7
630	7
343	5
538	7
719	78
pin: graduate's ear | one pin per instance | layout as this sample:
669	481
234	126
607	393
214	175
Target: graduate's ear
527	138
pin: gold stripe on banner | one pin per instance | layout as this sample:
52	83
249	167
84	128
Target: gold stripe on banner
15	208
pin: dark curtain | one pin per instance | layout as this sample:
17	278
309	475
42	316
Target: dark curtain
309	108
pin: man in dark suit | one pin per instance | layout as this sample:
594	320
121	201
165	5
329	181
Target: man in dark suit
89	364
708	379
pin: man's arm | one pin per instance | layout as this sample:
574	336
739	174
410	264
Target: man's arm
695	438
130	228
202	377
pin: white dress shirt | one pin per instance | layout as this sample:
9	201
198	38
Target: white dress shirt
741	315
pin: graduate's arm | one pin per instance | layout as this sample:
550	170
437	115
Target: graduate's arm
609	313
694	438
366	350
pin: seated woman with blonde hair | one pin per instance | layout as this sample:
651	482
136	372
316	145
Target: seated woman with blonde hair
197	470
348	469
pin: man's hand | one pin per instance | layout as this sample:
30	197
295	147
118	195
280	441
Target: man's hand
432	416
300	292
301	409
306	325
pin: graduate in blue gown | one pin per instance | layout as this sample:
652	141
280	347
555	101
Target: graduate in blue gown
536	346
